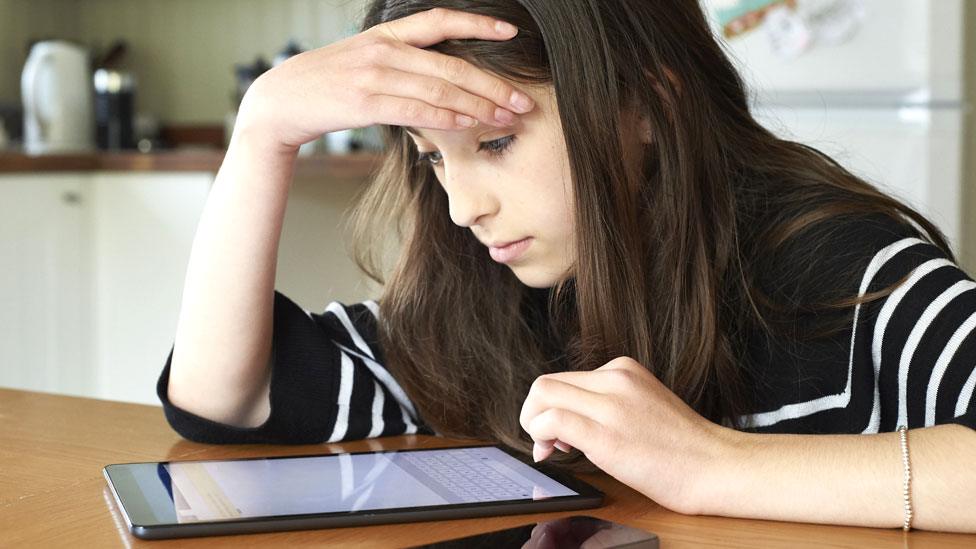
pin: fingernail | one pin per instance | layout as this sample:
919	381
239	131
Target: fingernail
540	452
562	446
465	121
505	28
541	449
520	102
504	117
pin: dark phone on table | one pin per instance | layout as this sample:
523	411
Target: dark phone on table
576	532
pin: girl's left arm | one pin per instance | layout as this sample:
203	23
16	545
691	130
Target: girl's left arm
631	426
846	479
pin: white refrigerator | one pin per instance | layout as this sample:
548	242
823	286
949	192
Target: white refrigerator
876	84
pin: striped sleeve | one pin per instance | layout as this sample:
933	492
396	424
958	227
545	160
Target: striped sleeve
922	341
328	383
906	359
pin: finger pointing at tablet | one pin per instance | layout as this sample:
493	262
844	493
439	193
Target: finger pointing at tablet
627	423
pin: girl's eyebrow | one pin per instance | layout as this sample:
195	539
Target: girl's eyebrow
416	132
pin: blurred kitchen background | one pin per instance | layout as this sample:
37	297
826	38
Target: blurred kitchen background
95	234
98	205
182	52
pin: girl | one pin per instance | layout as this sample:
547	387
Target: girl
601	252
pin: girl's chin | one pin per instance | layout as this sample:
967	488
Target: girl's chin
534	277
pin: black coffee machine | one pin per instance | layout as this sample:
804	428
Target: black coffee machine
114	109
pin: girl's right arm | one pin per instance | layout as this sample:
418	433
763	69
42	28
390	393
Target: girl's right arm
220	364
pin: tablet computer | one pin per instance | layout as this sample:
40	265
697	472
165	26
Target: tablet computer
213	497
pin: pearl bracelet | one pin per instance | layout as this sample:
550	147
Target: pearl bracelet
907	484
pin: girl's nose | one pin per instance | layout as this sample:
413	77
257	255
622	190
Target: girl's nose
470	201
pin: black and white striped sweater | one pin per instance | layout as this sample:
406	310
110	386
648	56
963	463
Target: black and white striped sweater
909	358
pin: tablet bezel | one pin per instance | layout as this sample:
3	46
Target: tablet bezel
588	497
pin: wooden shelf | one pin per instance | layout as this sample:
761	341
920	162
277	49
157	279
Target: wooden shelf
319	165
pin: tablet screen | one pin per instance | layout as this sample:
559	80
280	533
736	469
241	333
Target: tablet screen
239	489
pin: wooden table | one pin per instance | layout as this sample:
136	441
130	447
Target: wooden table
52	493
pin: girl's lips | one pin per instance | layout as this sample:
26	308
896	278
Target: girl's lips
511	252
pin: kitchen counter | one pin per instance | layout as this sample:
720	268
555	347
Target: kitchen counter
195	160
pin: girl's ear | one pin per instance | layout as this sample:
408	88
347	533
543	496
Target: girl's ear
643	125
644	129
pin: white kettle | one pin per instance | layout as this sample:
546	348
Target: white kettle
56	87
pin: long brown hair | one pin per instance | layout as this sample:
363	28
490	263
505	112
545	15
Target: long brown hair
669	245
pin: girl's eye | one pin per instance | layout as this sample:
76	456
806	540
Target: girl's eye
495	148
429	158
498	146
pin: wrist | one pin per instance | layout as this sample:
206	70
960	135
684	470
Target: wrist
728	448
256	138
254	145
255	161
253	128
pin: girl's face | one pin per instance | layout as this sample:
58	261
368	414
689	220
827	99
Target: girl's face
511	184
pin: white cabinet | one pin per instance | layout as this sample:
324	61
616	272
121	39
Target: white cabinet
142	228
93	266
45	276
92	274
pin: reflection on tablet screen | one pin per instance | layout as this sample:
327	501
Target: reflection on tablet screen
222	490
